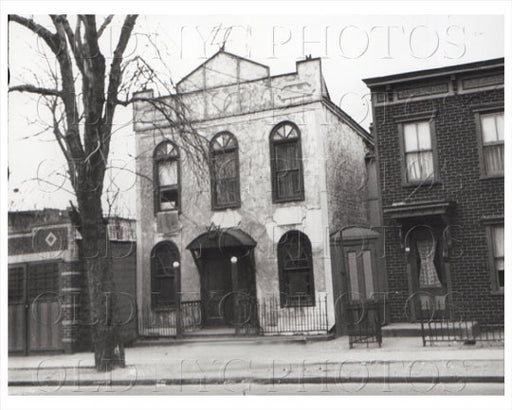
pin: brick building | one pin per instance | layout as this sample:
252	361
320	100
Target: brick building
48	306
439	138
285	171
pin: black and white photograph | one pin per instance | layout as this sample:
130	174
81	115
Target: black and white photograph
299	202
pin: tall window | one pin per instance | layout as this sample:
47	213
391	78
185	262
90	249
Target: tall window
418	152
167	177
163	275
493	148
286	163
295	263
225	178
497	260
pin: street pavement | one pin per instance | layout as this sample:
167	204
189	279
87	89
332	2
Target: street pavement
269	367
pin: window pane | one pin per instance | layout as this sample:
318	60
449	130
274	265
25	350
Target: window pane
410	137
426	164
225	165
424	141
226	191
169	199
500	126
287	156
494	158
413	167
500	270
499	249
368	274
352	270
168	172
288	184
489	132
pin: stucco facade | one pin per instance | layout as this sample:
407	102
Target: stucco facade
229	93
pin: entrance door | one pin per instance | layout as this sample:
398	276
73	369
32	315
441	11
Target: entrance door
34	308
216	288
426	273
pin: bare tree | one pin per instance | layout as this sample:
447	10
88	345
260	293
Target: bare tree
82	95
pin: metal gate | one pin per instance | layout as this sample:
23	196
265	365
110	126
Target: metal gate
34	308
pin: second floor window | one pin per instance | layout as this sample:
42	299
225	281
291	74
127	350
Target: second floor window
493	147
418	152
225	179
166	177
286	163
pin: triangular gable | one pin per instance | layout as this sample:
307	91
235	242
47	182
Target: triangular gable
221	69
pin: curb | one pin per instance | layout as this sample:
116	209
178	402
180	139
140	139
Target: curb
263	381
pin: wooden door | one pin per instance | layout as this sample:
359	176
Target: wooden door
216	280
34	308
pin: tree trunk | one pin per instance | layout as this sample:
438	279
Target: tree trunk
108	348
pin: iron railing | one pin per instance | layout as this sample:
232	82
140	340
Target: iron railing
252	317
364	324
301	318
162	322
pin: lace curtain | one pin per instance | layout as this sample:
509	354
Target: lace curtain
428	272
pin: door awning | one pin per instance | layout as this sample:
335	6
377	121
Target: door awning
405	210
222	238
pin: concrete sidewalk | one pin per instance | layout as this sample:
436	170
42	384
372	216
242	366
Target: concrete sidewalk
399	360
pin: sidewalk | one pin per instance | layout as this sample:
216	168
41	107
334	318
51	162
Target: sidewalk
328	361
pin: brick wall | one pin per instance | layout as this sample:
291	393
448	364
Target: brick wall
459	181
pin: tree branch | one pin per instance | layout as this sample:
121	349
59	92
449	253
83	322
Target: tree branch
50	38
104	25
29	88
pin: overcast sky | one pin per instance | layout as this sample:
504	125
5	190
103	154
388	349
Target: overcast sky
351	48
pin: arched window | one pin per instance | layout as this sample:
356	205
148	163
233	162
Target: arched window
166	176
225	178
163	276
286	163
295	263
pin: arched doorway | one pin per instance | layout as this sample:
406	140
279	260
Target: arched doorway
225	260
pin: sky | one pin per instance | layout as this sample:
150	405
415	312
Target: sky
352	47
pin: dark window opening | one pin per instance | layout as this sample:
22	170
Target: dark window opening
163	275
286	163
166	177
225	175
295	265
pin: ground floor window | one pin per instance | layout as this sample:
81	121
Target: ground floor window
495	234
163	274
295	263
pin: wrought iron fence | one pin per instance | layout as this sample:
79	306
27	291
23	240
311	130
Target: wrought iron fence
162	322
364	324
466	331
301	318
252	317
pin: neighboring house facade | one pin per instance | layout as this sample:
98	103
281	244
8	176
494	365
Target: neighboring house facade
48	305
439	138
285	170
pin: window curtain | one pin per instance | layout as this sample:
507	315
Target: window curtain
493	157
428	273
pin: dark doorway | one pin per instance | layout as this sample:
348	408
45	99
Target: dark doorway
228	289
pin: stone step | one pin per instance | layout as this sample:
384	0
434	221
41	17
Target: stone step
229	339
414	329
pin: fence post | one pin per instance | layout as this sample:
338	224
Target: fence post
177	287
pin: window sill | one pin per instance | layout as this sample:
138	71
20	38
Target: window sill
422	184
163	308
287	200
487	177
225	207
